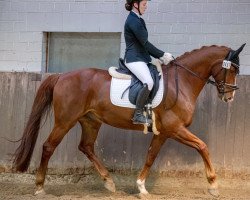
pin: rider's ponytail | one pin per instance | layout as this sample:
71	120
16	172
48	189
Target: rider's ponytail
129	5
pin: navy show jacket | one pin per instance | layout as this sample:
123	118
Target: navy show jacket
138	48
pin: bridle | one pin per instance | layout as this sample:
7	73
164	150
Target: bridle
222	86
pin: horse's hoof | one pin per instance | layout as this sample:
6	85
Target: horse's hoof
109	185
214	192
145	195
40	192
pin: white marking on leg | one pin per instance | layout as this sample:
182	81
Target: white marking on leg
40	192
213	189
110	185
214	185
141	186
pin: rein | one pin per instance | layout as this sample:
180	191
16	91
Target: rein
221	85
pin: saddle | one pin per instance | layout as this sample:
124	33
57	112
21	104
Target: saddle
125	87
136	85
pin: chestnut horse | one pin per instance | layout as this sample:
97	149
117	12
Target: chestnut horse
83	96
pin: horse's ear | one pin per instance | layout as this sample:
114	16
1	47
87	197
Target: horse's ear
237	52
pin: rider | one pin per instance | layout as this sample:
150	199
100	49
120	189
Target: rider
138	52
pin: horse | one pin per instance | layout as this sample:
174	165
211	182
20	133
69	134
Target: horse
83	96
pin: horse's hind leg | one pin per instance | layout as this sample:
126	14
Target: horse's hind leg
90	128
184	136
54	139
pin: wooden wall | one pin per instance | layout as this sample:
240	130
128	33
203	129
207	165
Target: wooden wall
224	127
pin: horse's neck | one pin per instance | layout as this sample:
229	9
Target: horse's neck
200	63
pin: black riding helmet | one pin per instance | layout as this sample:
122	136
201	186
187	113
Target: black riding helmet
129	5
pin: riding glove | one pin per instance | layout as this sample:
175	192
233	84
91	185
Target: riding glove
166	58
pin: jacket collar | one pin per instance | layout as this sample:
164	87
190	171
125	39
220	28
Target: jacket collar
134	14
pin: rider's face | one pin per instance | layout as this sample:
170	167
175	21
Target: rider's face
143	6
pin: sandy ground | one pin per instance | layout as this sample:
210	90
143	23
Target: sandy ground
90	187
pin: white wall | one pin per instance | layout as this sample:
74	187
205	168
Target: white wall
176	26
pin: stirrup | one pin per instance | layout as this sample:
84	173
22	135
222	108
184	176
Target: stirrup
145	121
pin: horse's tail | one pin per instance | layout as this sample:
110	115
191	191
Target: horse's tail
41	105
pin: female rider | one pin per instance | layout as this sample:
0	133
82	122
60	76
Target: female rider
138	52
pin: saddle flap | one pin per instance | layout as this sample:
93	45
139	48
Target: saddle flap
136	85
118	86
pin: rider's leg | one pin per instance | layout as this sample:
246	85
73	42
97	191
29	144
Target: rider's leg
141	71
141	101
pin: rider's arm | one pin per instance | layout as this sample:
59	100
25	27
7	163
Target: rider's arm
141	35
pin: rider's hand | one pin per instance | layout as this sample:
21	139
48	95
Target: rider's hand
166	58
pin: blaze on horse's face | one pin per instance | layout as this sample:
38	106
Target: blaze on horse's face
225	78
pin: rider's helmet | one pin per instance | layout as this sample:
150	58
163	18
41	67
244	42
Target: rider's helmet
129	4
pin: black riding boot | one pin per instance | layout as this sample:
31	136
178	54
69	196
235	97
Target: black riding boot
141	100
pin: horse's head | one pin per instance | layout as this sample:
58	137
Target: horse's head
225	73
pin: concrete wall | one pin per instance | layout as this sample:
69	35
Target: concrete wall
176	26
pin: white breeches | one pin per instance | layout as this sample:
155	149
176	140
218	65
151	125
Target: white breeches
141	71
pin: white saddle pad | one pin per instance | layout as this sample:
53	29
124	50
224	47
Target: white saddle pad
118	86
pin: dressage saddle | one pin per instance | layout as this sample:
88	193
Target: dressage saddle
136	85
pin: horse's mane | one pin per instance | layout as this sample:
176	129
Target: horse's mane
196	50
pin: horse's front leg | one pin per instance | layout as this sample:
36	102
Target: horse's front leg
155	146
184	136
